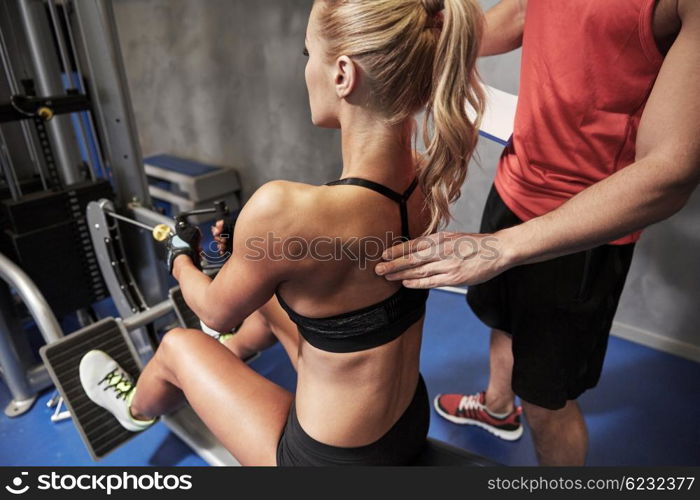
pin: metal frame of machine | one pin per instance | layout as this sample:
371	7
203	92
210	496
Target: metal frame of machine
91	61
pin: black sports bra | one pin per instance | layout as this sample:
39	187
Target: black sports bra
373	325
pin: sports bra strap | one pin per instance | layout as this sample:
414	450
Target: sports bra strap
389	193
407	194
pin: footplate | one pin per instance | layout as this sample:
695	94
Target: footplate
99	430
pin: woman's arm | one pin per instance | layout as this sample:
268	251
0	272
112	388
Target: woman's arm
251	275
504	27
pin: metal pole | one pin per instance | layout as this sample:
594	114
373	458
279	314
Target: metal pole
62	52
79	71
9	73
148	216
68	70
8	169
49	83
39	378
29	138
23	383
148	316
13	370
32	298
130	221
99	42
112	102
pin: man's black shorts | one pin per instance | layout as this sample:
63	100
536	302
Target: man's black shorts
558	312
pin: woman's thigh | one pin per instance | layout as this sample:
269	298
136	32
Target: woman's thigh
243	409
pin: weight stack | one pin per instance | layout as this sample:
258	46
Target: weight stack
46	234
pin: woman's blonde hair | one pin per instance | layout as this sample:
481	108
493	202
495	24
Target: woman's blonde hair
418	54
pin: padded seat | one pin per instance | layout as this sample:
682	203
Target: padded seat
439	454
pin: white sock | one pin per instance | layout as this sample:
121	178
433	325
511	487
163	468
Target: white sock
497	415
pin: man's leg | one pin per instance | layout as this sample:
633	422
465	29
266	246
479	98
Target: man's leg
493	409
560	436
559	353
499	394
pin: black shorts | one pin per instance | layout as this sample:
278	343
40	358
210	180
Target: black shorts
399	446
558	312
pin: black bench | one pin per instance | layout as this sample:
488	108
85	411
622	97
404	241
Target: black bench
439	454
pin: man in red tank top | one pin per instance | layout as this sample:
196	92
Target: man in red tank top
606	142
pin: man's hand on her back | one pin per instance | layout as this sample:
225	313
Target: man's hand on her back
446	259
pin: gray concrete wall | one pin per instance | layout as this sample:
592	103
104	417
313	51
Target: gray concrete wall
222	81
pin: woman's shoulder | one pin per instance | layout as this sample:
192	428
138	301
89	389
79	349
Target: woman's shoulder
280	205
279	197
274	192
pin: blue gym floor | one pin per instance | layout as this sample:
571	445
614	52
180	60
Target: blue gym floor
645	410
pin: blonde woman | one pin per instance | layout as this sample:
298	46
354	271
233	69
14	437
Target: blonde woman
354	338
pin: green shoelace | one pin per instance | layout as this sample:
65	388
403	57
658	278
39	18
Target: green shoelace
118	381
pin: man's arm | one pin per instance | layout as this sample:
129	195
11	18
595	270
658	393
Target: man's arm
504	27
656	186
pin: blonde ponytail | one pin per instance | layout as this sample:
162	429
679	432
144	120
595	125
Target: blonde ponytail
449	135
416	54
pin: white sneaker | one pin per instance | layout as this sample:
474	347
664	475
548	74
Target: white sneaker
209	331
110	387
221	337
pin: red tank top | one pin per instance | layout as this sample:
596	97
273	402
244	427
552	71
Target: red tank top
588	67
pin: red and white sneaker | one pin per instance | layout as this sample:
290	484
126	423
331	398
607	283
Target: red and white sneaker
471	410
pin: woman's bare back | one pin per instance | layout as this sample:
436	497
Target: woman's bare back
348	399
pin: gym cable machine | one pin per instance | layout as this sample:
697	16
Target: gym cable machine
78	225
72	171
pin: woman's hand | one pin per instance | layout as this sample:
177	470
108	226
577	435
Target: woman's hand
184	242
222	240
